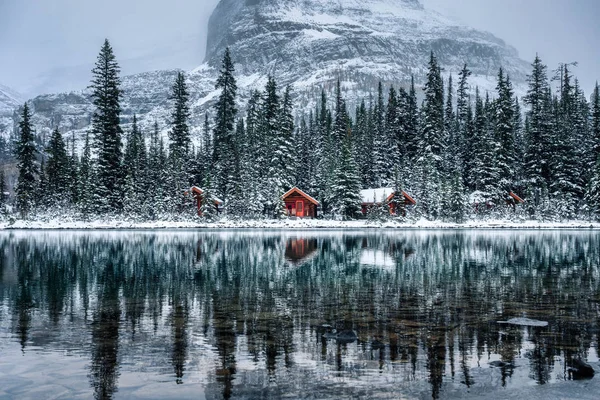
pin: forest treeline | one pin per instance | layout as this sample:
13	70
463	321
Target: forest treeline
459	152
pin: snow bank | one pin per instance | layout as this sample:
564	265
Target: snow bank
289	224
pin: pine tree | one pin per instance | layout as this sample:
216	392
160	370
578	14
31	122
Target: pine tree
26	157
285	152
179	139
412	124
224	129
3	191
380	142
42	200
346	200
86	180
432	129
207	205
592	196
595	105
135	165
157	172
58	172
106	128
536	155
73	174
504	132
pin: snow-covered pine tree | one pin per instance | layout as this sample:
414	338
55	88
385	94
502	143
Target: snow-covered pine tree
3	191
74	175
504	131
398	202
451	156
432	123
239	176
595	123
86	180
485	171
412	124
272	187
26	189
179	142
285	153
457	200
346	200
253	158
157	174
592	195
41	200
224	129
380	143
536	135
106	95
519	184
393	128
135	165
207	204
58	174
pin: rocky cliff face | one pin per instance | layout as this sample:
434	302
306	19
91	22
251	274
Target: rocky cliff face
307	43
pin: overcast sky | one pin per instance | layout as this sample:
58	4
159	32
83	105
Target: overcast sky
41	40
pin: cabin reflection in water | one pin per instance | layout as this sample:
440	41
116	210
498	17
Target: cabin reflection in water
300	250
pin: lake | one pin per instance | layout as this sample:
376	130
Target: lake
298	314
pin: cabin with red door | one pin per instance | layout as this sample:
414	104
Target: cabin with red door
375	197
198	195
299	204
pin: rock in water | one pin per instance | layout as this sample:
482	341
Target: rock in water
525	322
348	336
581	370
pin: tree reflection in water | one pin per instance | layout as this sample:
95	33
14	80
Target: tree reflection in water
423	304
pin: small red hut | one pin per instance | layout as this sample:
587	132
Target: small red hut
199	195
375	197
299	204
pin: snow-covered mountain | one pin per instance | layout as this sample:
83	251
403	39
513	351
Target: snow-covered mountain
9	101
307	43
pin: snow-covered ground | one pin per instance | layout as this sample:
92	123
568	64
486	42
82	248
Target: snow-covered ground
289	224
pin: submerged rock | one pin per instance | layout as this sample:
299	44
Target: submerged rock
581	370
501	364
347	336
524	322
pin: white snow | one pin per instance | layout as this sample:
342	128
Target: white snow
524	322
196	223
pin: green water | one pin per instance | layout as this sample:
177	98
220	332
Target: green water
250	314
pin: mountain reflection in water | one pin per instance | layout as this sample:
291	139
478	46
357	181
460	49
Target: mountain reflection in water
245	314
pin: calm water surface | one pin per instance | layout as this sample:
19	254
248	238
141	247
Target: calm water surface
245	314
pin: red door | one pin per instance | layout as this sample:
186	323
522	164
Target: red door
299	209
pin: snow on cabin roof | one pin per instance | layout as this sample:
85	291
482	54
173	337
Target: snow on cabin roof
196	189
378	195
295	189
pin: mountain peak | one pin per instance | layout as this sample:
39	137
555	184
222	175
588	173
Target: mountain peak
388	40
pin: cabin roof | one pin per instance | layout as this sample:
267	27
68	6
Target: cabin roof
197	190
301	193
377	195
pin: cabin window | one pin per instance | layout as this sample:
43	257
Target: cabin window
299	208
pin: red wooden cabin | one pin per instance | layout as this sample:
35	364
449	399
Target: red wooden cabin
299	204
199	195
375	197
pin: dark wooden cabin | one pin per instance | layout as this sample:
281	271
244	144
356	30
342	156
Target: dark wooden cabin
198	195
299	204
375	197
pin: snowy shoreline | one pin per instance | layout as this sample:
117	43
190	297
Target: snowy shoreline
288	224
